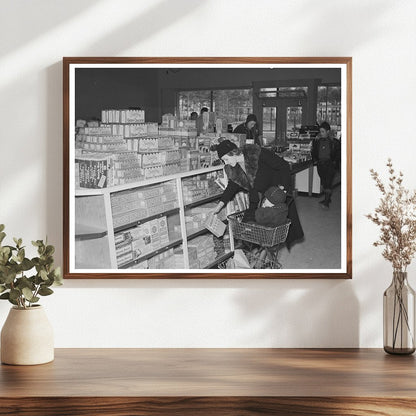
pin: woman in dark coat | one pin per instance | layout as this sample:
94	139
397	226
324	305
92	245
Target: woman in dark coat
254	170
250	129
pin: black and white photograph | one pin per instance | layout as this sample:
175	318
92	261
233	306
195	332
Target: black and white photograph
207	168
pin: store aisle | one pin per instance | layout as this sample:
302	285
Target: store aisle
321	248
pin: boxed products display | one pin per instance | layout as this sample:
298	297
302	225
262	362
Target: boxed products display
100	170
122	116
135	204
122	149
140	129
141	240
197	217
200	187
170	259
201	251
238	139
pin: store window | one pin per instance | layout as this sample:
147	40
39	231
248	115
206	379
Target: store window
329	105
269	122
293	120
194	100
283	92
232	104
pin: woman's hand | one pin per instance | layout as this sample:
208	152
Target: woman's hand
219	207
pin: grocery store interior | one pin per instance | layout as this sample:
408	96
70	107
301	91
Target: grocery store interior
148	179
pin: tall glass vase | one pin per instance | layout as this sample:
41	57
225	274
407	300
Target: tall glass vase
399	316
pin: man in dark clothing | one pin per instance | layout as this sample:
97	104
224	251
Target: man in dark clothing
254	170
250	129
326	154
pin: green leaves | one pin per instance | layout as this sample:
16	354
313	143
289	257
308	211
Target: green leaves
58	281
25	282
45	291
29	295
4	254
18	242
15	294
26	264
43	274
15	286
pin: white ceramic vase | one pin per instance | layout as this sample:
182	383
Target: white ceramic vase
27	337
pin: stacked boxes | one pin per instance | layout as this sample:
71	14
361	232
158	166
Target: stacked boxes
201	251
101	169
200	187
135	204
196	217
178	132
140	129
122	116
169	149
103	158
143	239
170	259
238	139
171	122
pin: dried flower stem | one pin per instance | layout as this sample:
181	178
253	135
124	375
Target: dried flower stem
396	217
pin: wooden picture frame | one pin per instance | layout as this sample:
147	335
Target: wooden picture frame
96	206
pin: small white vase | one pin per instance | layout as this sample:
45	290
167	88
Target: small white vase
27	337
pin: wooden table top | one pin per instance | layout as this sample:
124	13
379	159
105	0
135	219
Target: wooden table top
214	372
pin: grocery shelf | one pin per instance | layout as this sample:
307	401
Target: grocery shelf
103	198
219	260
138	184
145	219
197	233
147	256
88	232
202	201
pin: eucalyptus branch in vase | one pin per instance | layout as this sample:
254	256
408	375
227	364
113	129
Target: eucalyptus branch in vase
396	217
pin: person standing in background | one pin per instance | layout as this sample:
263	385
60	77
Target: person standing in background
250	129
326	154
200	121
193	116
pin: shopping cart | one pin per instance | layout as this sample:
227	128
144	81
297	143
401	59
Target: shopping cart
262	243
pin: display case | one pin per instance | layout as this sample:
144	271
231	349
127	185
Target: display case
152	224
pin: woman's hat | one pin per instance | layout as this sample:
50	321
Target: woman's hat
224	147
251	117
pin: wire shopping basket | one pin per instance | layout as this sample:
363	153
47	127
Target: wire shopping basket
258	234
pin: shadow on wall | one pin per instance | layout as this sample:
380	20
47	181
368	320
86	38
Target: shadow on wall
157	18
360	20
40	16
300	313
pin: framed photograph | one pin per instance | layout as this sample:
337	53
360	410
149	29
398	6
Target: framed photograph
207	168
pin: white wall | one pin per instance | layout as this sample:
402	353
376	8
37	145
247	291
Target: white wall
380	36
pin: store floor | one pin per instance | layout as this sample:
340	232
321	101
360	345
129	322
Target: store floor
321	248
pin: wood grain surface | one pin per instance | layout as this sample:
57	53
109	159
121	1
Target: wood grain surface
212	381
